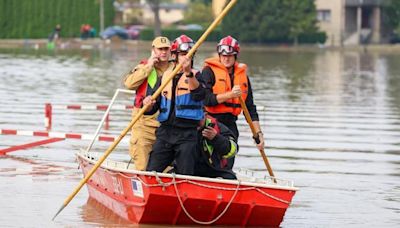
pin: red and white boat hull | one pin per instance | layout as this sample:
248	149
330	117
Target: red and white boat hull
155	198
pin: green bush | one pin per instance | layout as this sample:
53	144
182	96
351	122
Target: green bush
148	34
312	38
37	18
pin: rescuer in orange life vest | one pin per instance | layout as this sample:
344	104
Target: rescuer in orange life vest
145	78
226	80
181	109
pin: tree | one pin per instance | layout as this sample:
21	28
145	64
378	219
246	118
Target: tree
392	15
273	21
155	7
302	17
241	22
198	13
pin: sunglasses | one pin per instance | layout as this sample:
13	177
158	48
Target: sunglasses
184	47
225	49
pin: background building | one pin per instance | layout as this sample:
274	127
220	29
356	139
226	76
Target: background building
139	12
351	22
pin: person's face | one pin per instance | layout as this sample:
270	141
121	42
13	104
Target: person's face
163	53
227	60
180	56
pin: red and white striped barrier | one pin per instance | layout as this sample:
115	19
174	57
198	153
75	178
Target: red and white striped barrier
48	110
57	135
29	145
49	107
92	107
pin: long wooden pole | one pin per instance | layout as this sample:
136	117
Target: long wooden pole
255	136
144	108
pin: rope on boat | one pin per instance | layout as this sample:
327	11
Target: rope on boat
271	196
160	181
198	221
174	182
241	189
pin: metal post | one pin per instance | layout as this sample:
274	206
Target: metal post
359	21
101	15
48	116
107	125
102	120
376	28
106	115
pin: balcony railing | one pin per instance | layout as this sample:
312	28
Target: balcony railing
364	2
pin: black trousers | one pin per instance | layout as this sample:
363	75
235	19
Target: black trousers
177	144
232	126
204	169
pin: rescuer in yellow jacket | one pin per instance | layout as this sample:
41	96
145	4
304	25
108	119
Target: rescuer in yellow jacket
145	78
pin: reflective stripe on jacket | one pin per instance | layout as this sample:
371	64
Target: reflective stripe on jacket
148	87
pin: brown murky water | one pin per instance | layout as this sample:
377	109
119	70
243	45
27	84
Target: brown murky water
331	122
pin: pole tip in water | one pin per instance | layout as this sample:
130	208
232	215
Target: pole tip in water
58	212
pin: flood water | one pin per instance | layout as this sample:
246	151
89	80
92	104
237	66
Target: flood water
331	121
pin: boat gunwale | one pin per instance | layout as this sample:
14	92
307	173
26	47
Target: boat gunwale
85	156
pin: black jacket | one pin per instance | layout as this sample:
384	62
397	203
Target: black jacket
210	166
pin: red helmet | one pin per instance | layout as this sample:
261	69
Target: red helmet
228	45
182	44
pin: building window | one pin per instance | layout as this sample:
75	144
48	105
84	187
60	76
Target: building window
324	15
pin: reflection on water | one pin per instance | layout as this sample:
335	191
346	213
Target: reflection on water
95	213
331	121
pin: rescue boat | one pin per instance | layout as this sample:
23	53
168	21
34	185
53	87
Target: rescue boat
164	198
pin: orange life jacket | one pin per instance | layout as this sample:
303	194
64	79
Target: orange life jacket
223	84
